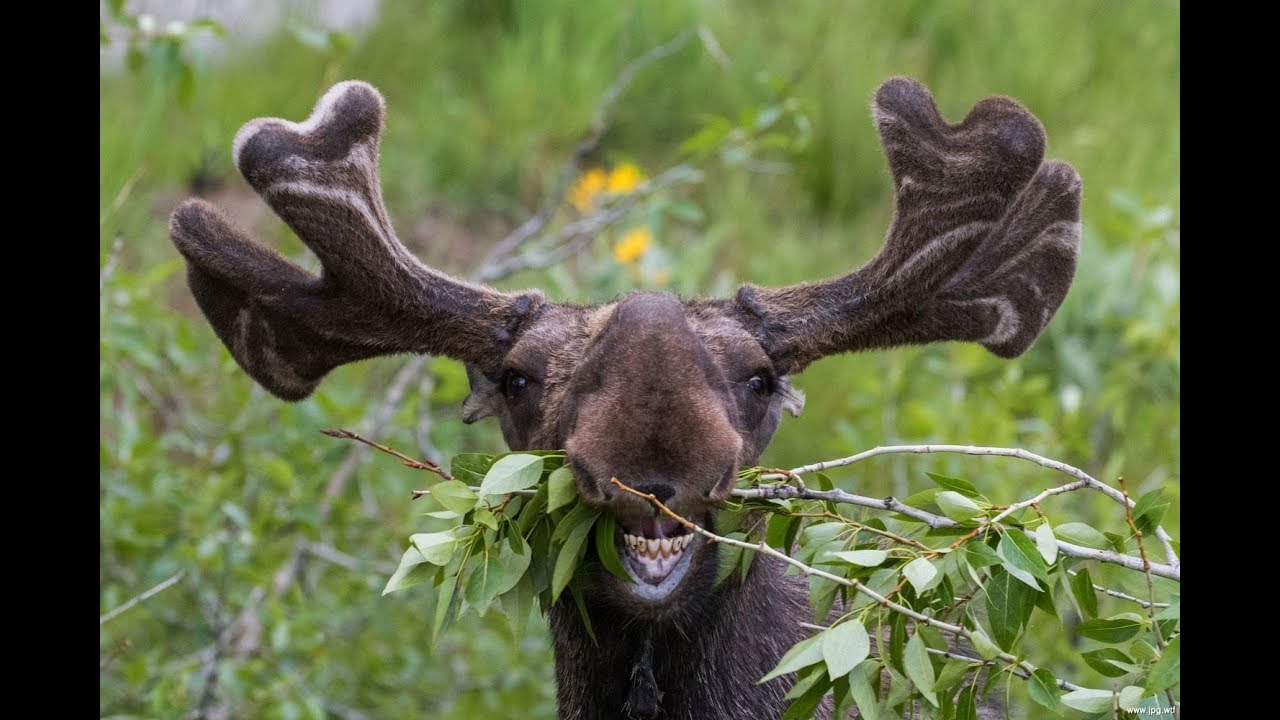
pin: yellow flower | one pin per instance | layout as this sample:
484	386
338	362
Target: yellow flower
624	178
632	245
583	194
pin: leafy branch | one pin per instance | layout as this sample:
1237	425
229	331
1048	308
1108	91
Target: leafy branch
524	533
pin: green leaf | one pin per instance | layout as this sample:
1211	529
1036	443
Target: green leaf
607	547
1110	662
804	706
861	682
922	575
579	513
455	495
919	668
1085	595
946	482
952	674
532	511
517	604
980	555
778	529
805	681
1150	510
863	558
801	655
1086	700
575	546
1142	650
413	570
957	506
511	473
1009	605
561	489
730	556
897	640
1116	541
967	704
1168	669
1080	534
581	604
983	645
436	548
711	135
470	468
446	606
1046	543
1044	690
511	565
1021	559
844	646
1113	630
1131	696
484	517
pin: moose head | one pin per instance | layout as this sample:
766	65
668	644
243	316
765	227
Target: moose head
670	395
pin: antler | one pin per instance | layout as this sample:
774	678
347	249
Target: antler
288	328
982	246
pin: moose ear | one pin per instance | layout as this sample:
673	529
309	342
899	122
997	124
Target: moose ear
485	399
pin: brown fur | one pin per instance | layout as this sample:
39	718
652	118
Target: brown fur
670	395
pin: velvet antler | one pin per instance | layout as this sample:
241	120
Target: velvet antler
982	247
288	328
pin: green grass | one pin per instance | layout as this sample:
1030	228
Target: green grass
201	472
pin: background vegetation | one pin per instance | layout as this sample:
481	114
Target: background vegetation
203	474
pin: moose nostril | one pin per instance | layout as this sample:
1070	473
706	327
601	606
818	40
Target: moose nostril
662	491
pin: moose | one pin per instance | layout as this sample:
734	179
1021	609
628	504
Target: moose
671	395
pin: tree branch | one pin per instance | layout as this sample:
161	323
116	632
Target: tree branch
765	549
1172	570
128	604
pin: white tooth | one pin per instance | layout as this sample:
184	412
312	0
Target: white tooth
652	546
628	541
665	544
683	541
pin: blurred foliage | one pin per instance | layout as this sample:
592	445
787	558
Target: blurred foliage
202	472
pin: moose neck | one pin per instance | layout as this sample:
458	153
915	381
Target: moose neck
701	661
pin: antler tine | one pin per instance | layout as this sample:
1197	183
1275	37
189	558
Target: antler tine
288	328
982	246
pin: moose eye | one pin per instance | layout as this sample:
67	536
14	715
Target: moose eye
759	385
513	383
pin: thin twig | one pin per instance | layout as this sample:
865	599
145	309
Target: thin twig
424	464
892	504
1036	500
1146	565
330	554
1122	596
902	540
765	549
157	589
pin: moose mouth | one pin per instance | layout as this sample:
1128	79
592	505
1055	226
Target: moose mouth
656	554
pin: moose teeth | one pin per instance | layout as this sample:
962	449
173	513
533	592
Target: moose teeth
655	548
